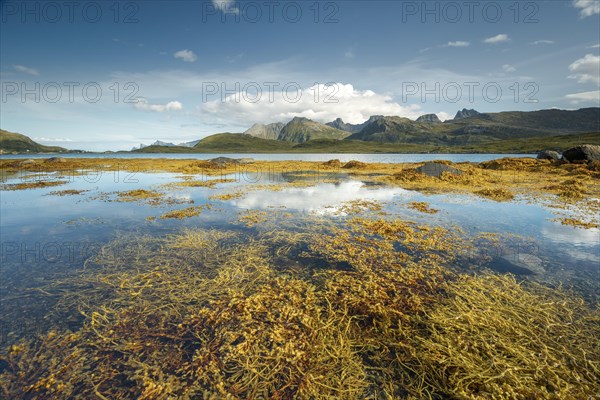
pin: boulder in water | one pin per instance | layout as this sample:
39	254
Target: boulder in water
585	153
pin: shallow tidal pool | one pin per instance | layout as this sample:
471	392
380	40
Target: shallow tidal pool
170	285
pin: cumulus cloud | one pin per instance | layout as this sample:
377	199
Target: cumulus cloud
322	103
444	116
586	69
501	38
143	104
585	97
26	70
538	42
458	43
587	8
226	6
185	55
508	68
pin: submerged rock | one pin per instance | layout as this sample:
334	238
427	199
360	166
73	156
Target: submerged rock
436	169
56	160
548	155
586	152
518	264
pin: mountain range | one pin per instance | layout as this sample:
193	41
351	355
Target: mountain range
468	127
469	131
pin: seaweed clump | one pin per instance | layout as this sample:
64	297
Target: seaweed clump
378	309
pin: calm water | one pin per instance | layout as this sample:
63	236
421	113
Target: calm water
372	158
46	236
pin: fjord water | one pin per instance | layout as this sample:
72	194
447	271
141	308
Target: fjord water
368	158
46	237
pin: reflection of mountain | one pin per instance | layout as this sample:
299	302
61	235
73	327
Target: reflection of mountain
322	199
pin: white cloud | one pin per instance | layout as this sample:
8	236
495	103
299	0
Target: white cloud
45	139
444	116
170	106
538	42
458	43
226	6
186	55
501	38
596	46
319	102
586	69
585	97
508	68
325	198
27	70
587	7
349	54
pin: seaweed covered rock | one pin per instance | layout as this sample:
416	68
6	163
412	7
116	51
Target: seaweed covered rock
548	155
335	163
436	169
353	164
221	161
586	152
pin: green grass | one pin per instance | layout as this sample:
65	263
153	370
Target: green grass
11	142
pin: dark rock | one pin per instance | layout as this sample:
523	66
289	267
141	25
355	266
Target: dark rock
518	264
548	155
436	169
586	152
56	160
429	118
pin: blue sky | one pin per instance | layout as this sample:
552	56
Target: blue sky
181	70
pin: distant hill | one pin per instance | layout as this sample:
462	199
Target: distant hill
482	127
239	142
270	131
300	130
341	125
582	120
396	130
472	131
11	142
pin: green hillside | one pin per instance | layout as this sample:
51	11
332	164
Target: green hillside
11	142
241	143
